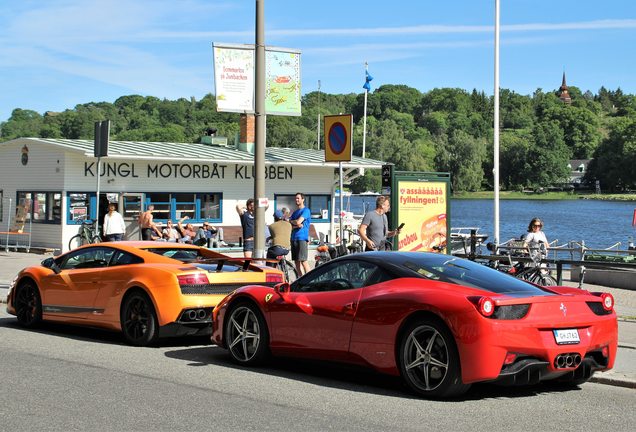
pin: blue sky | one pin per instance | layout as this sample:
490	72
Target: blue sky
55	54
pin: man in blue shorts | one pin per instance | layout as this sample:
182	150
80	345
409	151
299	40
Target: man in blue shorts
300	221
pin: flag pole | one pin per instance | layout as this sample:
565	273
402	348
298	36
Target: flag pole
496	127
364	122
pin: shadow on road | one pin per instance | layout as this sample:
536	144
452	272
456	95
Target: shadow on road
351	377
98	335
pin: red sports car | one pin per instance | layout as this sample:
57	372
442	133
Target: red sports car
438	321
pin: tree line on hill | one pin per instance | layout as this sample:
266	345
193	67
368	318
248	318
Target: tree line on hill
444	129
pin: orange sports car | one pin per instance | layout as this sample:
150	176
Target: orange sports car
146	290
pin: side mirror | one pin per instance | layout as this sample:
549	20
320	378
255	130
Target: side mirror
281	288
51	264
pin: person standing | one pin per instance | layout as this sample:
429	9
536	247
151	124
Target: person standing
300	221
246	213
114	226
147	226
373	229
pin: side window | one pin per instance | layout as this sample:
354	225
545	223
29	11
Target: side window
337	276
87	258
125	258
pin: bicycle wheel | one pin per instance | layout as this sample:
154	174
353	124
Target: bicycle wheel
75	242
289	269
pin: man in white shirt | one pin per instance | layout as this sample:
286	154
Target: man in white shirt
114	226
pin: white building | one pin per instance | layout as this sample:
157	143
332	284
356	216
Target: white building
58	178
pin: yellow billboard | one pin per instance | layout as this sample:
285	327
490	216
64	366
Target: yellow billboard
422	209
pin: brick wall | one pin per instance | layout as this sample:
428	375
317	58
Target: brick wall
248	127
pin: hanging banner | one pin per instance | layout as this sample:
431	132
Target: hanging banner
338	137
234	79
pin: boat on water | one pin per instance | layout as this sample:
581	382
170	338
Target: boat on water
461	239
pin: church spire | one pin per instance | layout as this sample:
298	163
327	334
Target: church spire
564	94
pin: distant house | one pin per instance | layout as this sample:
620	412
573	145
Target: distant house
578	168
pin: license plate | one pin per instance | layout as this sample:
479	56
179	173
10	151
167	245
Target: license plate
566	336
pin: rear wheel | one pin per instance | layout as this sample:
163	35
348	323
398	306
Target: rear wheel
291	274
75	242
429	361
246	335
28	305
139	320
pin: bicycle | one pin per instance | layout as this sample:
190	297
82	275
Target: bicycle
85	236
536	272
288	268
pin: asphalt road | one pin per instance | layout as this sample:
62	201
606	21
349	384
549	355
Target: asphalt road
67	378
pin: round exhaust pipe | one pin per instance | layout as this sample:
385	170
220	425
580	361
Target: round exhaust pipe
192	314
201	314
560	361
577	359
569	360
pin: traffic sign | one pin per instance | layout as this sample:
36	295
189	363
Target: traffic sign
338	137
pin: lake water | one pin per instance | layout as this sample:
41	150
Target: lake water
599	223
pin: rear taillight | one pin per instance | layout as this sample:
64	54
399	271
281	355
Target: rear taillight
273	278
486	306
193	279
608	301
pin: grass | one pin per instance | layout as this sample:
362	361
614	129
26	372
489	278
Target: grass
544	196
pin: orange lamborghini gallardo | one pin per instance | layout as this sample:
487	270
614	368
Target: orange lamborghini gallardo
146	290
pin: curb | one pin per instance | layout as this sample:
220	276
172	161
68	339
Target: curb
617	381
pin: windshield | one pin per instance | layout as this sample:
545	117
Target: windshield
463	272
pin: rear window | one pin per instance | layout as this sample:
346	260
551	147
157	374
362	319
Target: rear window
213	263
463	272
181	254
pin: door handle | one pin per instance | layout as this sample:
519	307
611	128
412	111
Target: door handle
349	308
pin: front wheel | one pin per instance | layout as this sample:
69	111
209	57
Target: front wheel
429	361
139	320
246	335
28	305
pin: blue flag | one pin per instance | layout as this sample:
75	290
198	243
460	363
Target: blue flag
367	81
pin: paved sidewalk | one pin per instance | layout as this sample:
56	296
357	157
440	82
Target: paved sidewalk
623	374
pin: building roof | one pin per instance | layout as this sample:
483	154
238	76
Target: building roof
142	150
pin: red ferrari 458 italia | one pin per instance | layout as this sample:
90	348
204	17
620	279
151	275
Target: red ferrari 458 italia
440	322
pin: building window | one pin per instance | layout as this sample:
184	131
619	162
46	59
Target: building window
80	207
210	205
45	207
174	206
319	205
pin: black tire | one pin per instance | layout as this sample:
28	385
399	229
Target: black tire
139	320
429	361
28	305
75	242
246	335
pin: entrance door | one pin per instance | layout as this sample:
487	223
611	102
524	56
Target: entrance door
130	207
